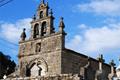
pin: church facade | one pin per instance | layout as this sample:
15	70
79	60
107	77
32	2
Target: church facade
44	56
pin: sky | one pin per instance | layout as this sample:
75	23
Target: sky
92	26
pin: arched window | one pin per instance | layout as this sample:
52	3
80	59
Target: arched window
41	14
36	30
43	29
38	47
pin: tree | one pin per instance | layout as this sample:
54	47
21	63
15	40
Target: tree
7	66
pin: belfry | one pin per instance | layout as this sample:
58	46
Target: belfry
43	22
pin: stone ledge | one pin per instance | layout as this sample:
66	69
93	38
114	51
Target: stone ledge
50	77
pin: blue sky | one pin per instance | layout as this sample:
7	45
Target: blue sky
92	26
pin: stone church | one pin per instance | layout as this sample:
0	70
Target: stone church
44	56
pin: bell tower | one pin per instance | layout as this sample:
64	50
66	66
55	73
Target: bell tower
41	54
42	23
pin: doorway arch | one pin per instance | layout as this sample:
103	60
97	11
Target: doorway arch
38	67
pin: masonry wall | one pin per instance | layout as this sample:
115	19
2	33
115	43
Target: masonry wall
72	62
50	51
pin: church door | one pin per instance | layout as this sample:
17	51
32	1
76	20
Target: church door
36	71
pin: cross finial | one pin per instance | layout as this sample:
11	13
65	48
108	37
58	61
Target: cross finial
24	29
23	35
34	17
112	63
61	25
61	18
47	4
61	22
100	58
51	12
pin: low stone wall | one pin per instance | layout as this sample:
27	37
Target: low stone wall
52	77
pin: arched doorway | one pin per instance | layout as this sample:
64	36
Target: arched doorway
35	70
37	67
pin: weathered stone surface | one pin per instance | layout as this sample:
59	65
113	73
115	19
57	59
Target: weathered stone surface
50	52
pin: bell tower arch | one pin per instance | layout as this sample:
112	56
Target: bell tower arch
36	30
43	28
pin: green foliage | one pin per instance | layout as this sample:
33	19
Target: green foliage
7	66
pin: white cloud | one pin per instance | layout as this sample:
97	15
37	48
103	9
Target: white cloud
110	21
102	7
103	39
74	43
82	26
11	31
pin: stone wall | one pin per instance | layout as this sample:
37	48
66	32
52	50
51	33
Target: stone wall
49	52
49	43
53	77
72	62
